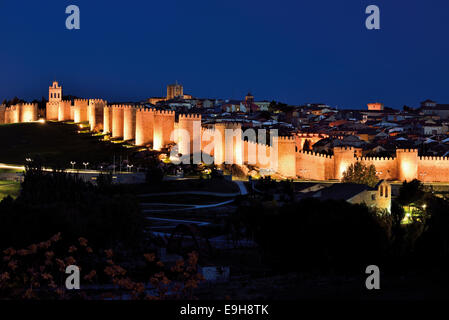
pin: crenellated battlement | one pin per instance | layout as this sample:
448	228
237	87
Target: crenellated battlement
345	148
149	110
97	101
315	154
164	113
406	150
433	158
375	159
190	116
122	106
81	101
29	104
284	139
12	108
128	107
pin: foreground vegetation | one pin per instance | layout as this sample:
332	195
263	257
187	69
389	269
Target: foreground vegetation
59	220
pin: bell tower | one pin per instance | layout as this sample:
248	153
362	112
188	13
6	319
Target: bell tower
55	92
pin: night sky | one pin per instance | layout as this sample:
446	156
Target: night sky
291	51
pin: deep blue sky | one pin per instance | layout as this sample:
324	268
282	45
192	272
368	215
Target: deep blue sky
293	51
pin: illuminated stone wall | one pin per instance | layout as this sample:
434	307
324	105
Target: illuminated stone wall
386	167
129	123
64	111
314	166
164	125
80	110
433	169
286	162
52	110
189	130
28	112
117	121
144	126
407	164
95	112
23	112
257	154
107	119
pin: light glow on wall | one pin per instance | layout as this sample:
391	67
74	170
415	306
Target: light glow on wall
157	141
343	168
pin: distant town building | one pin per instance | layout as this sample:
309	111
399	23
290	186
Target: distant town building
378	197
155	100
377	106
174	91
430	107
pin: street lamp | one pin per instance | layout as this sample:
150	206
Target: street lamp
73	164
85	165
129	166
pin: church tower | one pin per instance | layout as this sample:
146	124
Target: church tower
55	92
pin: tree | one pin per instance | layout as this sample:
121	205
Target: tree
361	174
411	193
307	146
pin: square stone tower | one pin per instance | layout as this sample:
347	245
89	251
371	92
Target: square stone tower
55	92
174	90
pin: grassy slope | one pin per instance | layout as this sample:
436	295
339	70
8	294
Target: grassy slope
9	188
56	143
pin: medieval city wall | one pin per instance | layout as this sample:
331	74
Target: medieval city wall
386	167
52	110
64	111
80	110
287	157
13	114
129	123
28	112
433	169
164	127
117	121
207	141
258	155
189	131
314	166
23	112
107	119
144	126
95	112
286	160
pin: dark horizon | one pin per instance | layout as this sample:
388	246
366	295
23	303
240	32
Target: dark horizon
287	51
